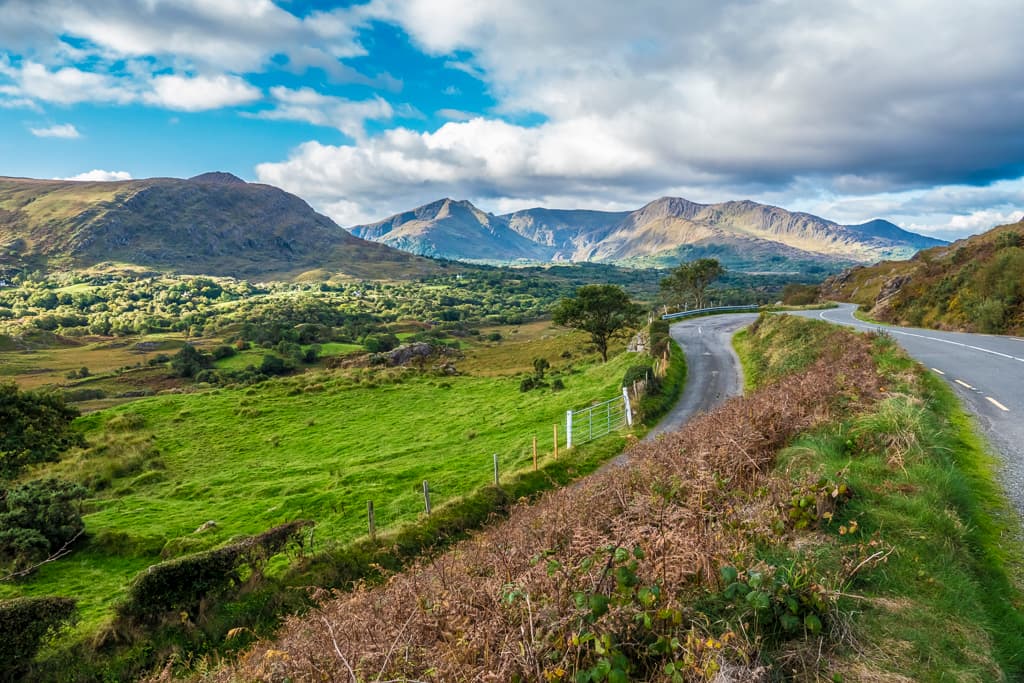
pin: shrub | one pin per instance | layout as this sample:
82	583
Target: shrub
36	428
184	583
274	365
25	624
189	361
37	519
224	351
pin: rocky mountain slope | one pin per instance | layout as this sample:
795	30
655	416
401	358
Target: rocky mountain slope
975	284
743	234
456	230
214	223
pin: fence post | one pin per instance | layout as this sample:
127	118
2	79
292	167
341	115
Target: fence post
568	429
534	453
372	519
426	495
495	469
556	439
629	409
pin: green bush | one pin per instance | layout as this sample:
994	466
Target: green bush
36	428
25	624
37	519
184	583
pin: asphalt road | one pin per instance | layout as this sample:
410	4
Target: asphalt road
986	372
713	370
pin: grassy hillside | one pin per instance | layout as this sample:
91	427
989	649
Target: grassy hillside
317	446
839	523
975	285
214	224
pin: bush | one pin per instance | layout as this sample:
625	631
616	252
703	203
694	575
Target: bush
37	519
494	337
25	624
379	343
36	428
274	365
184	583
224	351
189	361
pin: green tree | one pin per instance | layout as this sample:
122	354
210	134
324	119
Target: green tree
34	427
690	281
605	311
190	361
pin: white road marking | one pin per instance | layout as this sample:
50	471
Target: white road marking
936	370
700	330
963	383
997	404
891	330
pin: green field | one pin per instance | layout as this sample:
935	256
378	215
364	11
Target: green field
315	446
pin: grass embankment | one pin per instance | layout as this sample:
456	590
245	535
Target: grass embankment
318	446
946	605
810	530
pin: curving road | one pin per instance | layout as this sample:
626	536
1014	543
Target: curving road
713	370
986	371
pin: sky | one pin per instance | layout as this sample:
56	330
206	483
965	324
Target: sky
909	110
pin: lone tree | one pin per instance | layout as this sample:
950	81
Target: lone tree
602	310
690	281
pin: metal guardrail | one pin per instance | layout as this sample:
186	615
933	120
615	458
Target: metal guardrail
716	309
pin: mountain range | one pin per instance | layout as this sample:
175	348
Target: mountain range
215	224
742	234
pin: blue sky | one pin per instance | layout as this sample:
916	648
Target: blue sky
908	110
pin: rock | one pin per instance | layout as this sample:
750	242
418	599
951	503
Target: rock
204	526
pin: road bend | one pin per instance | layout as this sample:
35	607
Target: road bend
986	372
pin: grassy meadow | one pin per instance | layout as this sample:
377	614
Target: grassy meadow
314	446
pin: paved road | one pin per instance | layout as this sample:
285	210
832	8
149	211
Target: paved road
986	371
713	370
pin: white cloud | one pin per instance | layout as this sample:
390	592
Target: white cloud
100	175
721	100
305	104
62	130
200	93
67	85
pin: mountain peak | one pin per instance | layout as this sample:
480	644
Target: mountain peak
220	177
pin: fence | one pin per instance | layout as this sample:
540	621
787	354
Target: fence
597	420
716	309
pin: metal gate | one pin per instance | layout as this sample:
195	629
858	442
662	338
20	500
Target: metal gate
592	422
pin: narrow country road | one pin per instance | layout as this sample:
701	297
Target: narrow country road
713	370
986	371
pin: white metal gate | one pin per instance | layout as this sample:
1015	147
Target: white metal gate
592	422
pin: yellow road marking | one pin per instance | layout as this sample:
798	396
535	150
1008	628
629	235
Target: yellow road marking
963	383
997	404
938	371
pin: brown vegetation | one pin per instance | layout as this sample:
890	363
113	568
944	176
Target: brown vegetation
607	579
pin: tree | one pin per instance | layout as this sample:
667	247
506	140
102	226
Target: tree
605	311
38	520
34	427
190	361
690	281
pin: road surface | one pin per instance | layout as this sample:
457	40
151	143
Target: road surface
713	370
986	371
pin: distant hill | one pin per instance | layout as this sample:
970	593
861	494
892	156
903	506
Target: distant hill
744	235
456	230
214	223
975	284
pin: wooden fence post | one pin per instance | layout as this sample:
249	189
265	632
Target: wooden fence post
371	519
556	439
426	495
495	469
535	454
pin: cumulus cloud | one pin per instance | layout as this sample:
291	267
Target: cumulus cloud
305	104
200	93
735	97
62	130
66	85
98	174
